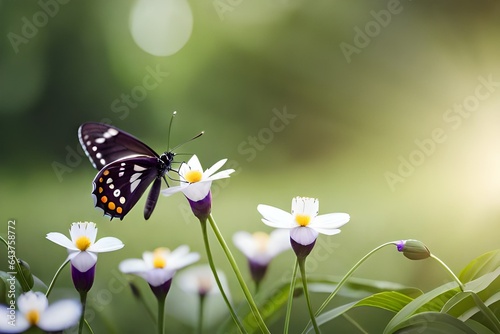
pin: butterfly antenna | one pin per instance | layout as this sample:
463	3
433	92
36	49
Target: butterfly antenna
170	127
197	136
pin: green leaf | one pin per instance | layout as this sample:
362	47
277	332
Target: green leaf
432	322
388	300
421	304
358	287
478	327
480	266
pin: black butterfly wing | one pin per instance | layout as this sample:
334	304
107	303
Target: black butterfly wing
105	144
119	185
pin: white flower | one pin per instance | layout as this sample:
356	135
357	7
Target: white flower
34	310
304	222
261	247
82	247
195	184
159	266
200	280
185	297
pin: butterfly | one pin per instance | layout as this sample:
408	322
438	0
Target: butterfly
127	167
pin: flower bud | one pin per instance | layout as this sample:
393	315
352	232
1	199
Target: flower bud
413	249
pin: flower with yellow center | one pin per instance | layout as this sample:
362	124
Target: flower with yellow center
303	222
260	248
195	183
34	311
159	266
83	247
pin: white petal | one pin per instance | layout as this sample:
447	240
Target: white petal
132	266
303	235
180	251
80	229
331	220
327	231
214	168
197	191
32	301
200	278
21	324
84	261
245	243
107	244
275	217
172	190
61	240
181	262
279	241
194	164
157	276
221	175
305	205
60	315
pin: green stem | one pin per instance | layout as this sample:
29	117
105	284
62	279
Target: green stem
83	300
460	284
290	297
216	276
161	313
302	265
354	323
346	277
56	275
237	272
200	315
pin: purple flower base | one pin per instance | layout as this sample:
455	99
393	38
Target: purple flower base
300	250
202	208
83	281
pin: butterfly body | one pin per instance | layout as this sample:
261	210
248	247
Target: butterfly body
127	167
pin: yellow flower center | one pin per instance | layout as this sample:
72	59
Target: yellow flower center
302	220
82	243
159	260
262	240
193	176
33	317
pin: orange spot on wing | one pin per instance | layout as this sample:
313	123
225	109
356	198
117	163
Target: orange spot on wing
119	210
101	179
106	172
104	199
100	190
111	206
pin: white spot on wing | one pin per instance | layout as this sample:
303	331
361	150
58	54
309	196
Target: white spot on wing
94	148
116	193
138	168
102	161
122	200
86	137
120	174
100	140
88	142
111	186
134	185
98	155
112	132
134	177
110	180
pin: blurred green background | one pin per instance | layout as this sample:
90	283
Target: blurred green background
394	119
